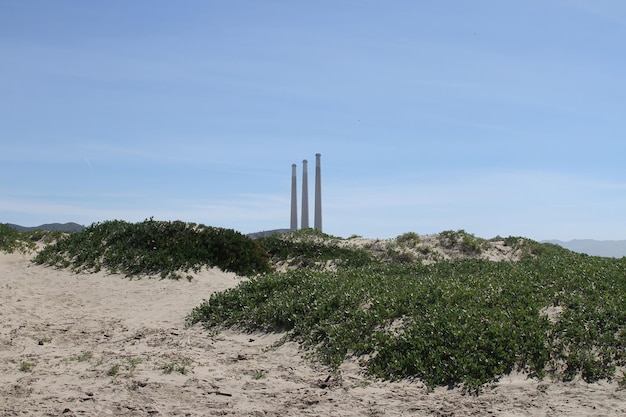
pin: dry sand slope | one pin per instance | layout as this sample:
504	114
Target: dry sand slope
96	345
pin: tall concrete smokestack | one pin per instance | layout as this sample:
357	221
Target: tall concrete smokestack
318	193
294	199
305	195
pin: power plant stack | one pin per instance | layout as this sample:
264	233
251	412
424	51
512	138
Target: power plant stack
294	199
305	196
318	193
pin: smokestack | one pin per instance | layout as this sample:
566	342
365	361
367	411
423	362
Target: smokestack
294	199
305	195
318	193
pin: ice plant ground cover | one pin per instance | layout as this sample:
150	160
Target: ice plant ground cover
554	313
155	247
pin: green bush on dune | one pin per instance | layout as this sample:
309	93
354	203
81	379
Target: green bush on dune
314	249
464	322
11	240
155	247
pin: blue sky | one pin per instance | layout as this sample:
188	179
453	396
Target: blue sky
500	118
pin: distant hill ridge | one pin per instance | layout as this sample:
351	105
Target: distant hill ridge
606	248
57	227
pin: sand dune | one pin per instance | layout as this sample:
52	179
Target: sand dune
101	344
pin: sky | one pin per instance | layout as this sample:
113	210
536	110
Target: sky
499	118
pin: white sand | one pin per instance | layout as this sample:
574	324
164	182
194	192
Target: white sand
98	344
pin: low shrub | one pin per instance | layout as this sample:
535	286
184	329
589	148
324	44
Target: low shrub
155	247
312	248
410	239
465	242
12	240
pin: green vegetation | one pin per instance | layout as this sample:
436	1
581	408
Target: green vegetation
122	368
397	255
155	247
313	249
180	366
12	240
113	370
83	357
26	366
465	242
259	374
530	248
465	322
404	249
410	239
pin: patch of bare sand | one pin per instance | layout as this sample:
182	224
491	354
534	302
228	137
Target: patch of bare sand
99	344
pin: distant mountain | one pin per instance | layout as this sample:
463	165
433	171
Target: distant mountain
607	248
61	227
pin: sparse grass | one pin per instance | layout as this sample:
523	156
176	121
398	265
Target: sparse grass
26	366
14	241
134	361
82	357
181	366
113	370
124	367
259	374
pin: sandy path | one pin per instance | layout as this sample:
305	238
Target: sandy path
97	345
